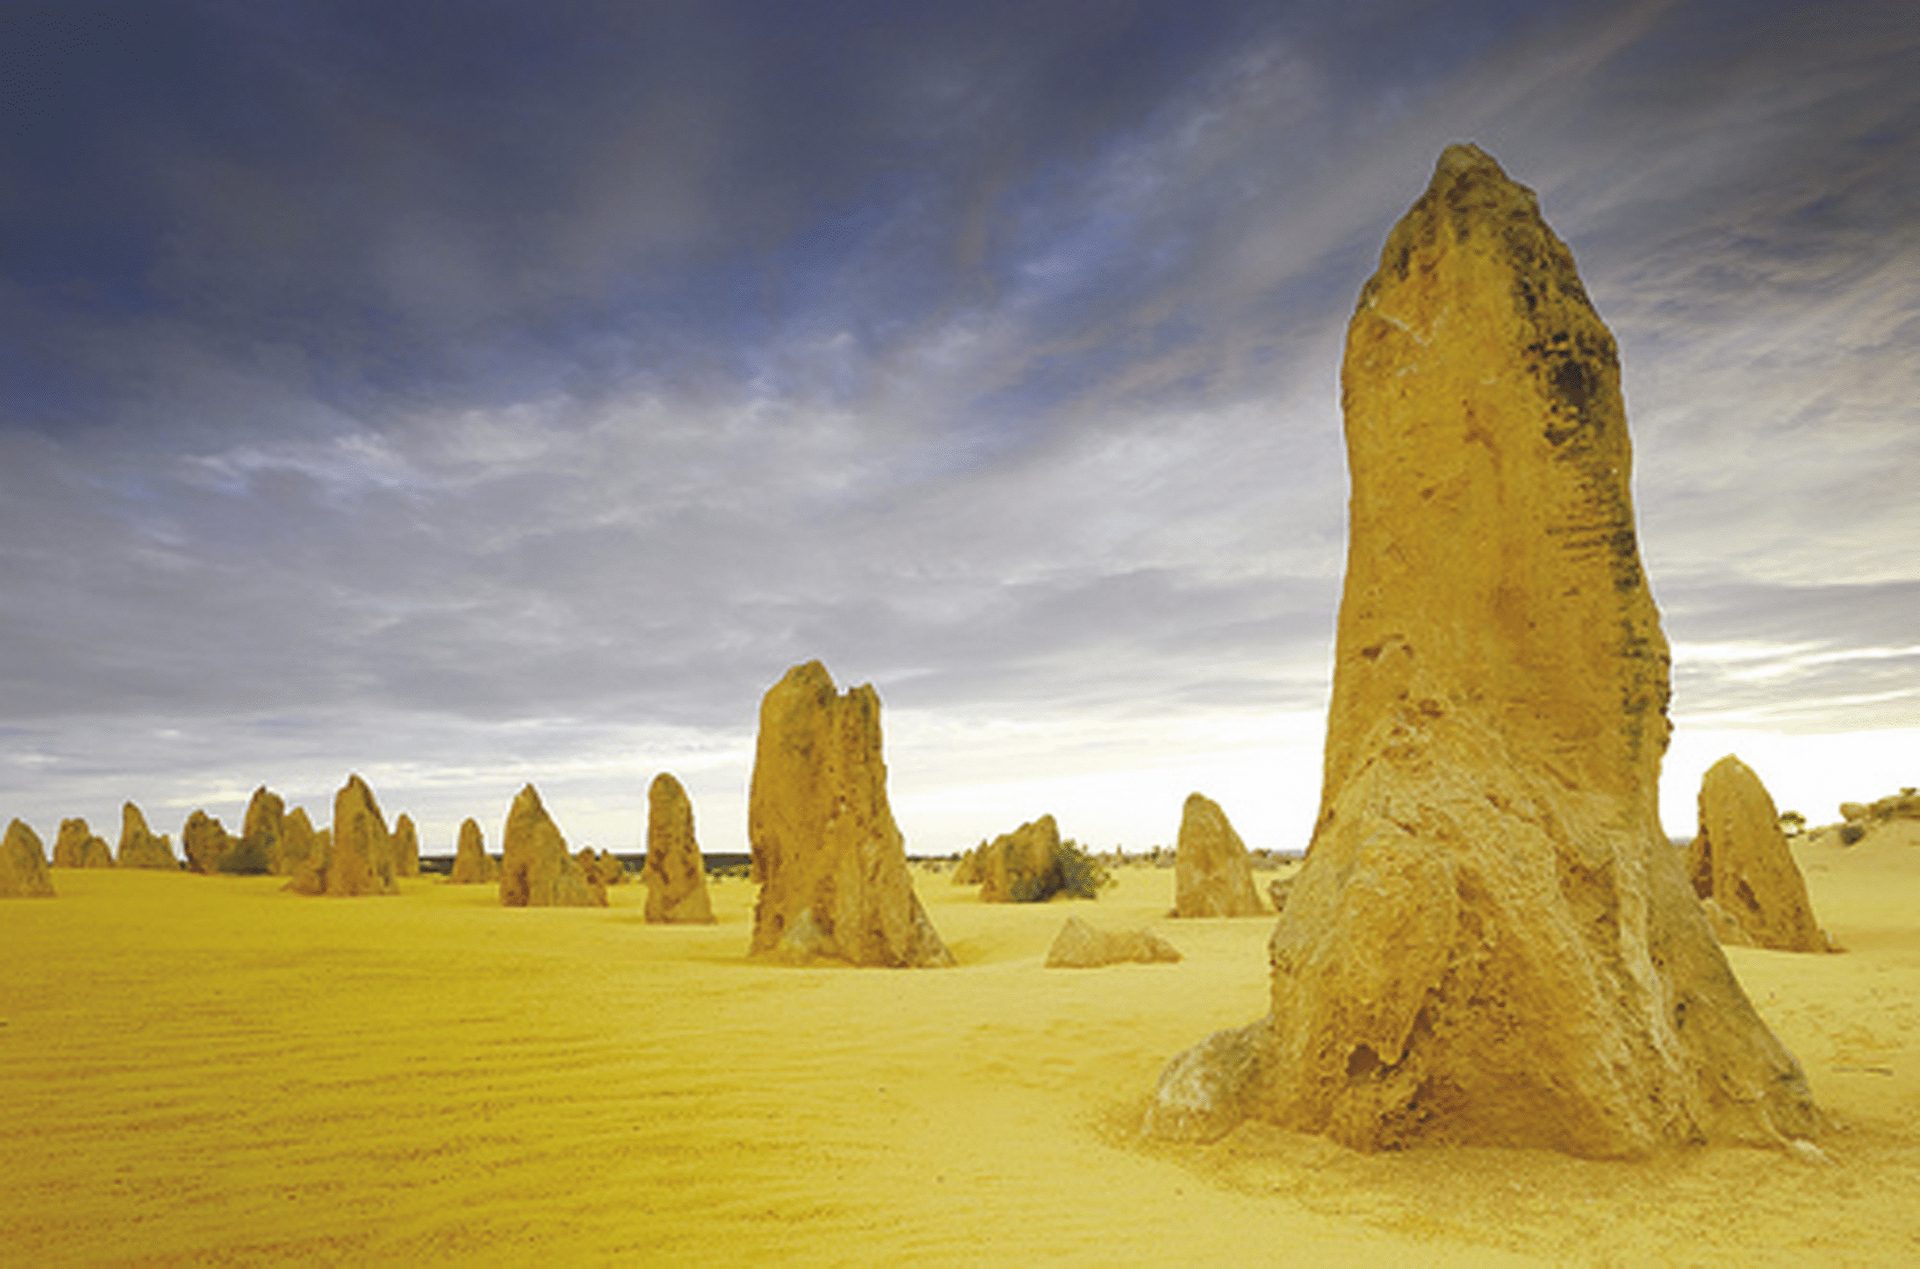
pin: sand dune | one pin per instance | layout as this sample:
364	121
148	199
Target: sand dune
211	1070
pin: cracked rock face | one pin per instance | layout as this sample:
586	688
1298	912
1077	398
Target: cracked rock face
829	858
1491	941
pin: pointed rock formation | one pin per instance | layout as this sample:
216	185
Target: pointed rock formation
77	846
262	835
406	847
830	861
1212	876
472	866
205	842
1080	946
1021	866
355	856
675	875
298	843
1742	868
535	869
139	848
967	871
1491	941
23	865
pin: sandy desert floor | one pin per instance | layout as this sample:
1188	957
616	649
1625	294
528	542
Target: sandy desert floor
212	1071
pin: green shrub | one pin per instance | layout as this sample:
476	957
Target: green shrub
245	858
1081	875
1851	833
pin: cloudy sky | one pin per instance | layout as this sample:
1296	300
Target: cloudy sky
469	393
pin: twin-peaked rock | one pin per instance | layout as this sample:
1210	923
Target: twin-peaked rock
831	863
139	848
78	847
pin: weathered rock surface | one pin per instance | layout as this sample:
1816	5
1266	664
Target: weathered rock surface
830	861
1209	1090
536	871
1080	946
1743	869
1212	876
77	846
205	842
263	831
1021	866
139	848
406	847
472	866
23	864
1491	942
353	857
299	842
675	875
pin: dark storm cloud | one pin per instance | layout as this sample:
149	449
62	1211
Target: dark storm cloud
405	196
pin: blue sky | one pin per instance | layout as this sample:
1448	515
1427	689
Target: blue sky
472	393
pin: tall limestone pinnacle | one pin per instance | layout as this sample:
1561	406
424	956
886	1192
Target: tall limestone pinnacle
829	858
1491	941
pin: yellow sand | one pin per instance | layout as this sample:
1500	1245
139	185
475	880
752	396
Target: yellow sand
209	1070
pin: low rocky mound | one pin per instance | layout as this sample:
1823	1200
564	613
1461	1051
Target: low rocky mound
23	865
1080	946
675	875
1212	875
139	848
536	870
1743	870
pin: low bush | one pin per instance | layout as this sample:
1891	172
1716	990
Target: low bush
245	858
